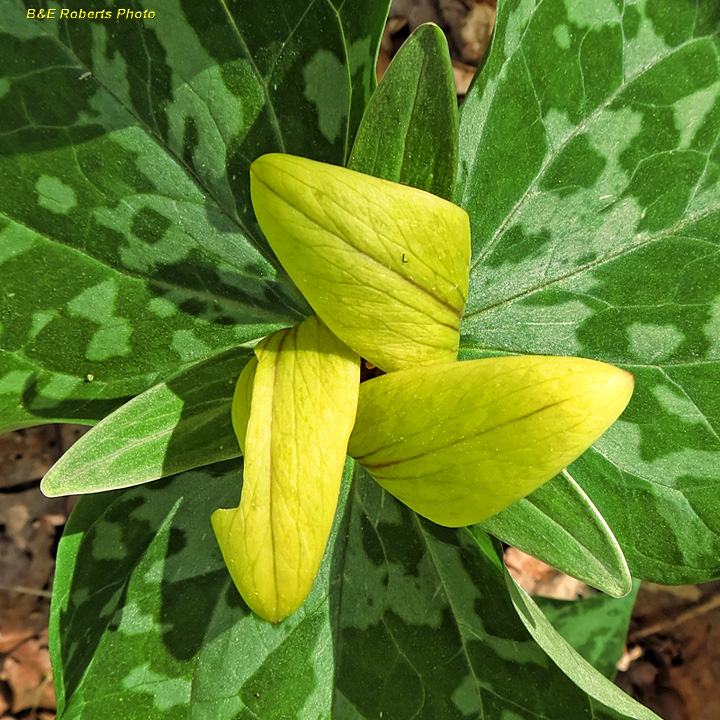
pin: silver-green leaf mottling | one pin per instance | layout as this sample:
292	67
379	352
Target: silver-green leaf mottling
405	618
128	247
589	166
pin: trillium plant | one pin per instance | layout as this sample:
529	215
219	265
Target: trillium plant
339	340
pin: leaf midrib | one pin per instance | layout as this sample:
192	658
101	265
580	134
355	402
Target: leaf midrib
274	121
478	687
551	156
668	232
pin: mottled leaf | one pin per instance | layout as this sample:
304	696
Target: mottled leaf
427	630
128	248
589	165
177	425
596	626
409	131
559	524
405	618
146	618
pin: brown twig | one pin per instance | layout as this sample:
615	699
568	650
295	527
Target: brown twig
667	624
26	590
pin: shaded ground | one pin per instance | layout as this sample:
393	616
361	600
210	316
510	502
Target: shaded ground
467	25
30	527
675	642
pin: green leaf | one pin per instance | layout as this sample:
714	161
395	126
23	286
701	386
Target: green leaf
128	247
589	167
177	425
596	626
145	617
559	524
405	618
427	627
578	669
409	131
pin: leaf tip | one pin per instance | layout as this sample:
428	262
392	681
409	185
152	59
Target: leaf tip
47	487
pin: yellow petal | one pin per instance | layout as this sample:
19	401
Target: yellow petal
242	397
304	399
459	442
384	265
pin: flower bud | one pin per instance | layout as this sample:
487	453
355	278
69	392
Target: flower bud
385	266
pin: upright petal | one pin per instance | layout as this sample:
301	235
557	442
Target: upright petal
304	399
459	442
384	265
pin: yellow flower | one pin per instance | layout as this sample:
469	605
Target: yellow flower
386	268
305	386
